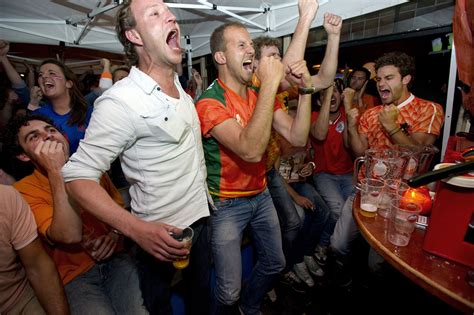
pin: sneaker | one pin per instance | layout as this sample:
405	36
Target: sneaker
272	296
313	266
291	280
320	254
302	272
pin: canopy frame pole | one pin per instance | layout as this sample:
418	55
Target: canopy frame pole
449	101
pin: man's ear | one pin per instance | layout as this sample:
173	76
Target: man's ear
133	36
219	57
406	79
23	157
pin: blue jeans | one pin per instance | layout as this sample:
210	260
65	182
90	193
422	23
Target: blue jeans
314	222
110	287
346	230
334	189
156	276
228	222
290	222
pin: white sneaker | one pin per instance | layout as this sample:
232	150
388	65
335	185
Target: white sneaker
272	295
320	253
302	273
313	266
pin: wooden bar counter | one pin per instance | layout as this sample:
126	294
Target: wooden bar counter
442	278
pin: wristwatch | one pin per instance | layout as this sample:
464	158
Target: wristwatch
307	90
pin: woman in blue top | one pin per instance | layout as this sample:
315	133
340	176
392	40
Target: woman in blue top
65	105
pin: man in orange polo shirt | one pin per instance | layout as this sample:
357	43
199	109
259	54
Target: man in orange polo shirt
85	251
402	119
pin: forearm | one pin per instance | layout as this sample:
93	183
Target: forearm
356	144
254	137
301	124
319	129
297	47
44	278
31	79
66	225
94	199
293	194
11	72
327	72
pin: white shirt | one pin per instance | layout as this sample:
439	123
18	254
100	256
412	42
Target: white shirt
159	144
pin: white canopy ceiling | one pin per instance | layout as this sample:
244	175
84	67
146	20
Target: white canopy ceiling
90	23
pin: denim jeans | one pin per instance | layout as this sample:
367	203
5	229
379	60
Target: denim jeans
110	287
346	230
334	189
228	222
290	222
314	221
156	276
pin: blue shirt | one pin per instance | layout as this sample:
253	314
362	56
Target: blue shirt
73	133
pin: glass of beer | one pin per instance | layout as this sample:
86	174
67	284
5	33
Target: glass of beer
185	236
370	193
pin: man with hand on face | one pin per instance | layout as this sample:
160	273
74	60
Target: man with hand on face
150	123
236	121
358	81
87	253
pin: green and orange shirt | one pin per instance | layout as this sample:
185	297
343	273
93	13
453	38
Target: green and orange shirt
228	176
415	115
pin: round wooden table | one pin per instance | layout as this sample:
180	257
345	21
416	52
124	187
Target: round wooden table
442	278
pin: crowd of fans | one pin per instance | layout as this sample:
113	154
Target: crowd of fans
264	153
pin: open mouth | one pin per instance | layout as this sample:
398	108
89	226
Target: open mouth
172	40
48	86
384	93
248	65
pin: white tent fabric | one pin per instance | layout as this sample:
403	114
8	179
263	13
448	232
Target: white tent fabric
90	23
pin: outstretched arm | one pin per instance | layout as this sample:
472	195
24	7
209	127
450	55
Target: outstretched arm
11	72
153	237
325	77
307	12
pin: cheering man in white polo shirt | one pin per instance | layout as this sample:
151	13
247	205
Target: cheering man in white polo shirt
150	123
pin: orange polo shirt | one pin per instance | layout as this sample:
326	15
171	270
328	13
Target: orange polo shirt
71	260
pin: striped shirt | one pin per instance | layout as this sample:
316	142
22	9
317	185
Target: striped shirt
418	115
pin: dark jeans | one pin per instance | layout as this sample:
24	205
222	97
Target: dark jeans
290	222
313	224
156	276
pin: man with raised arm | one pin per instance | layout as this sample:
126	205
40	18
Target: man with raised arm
236	122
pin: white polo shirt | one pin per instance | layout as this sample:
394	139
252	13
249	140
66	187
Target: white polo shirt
158	141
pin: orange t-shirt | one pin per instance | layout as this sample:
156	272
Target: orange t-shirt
71	260
418	115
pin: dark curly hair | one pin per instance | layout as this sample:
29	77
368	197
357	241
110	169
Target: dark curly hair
262	41
124	21
11	143
404	63
79	104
